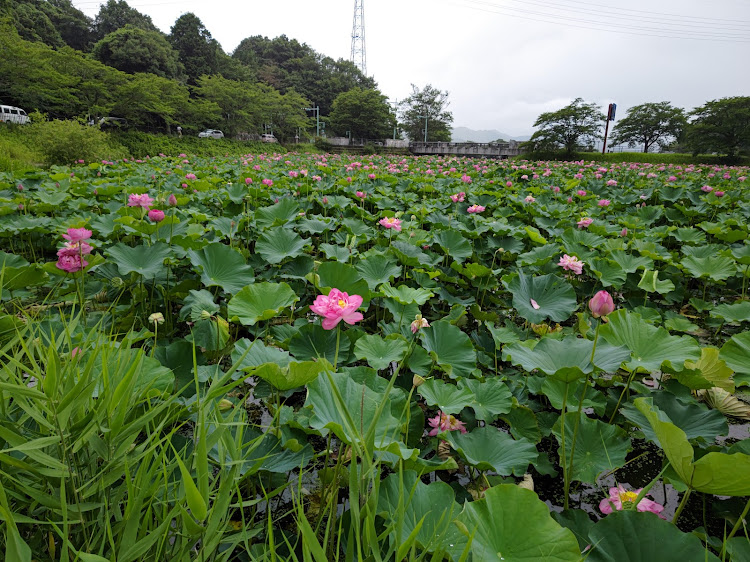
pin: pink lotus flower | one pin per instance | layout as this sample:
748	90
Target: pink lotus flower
475	209
172	200
466	178
445	422
529	199
71	263
324	200
190	176
571	263
458	197
155	215
391	222
337	306
601	304
707	189
267	182
585	222
611	183
555	189
361	194
509	184
371	176
79	248
581	193
620	498
248	181
604	202
624	232
419	323
142	200
77	234
719	193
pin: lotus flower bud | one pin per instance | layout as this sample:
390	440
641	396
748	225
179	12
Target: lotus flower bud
601	304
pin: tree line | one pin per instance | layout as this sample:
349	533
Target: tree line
719	126
60	62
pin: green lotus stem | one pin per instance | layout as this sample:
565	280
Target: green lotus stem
736	527
336	356
680	507
619	400
566	481
744	282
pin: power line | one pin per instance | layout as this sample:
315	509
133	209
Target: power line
598	25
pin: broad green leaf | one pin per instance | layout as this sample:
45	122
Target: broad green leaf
455	245
512	524
600	447
379	352
488	399
650	346
312	342
256	353
341	276
147	261
406	295
278	214
488	448
427	509
717	268
539	298
714	473
222	266
197	305
351	418
278	244
450	348
651	283
632	536
736	353
293	375
738	312
378	269
260	301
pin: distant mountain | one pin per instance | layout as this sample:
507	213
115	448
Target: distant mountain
464	134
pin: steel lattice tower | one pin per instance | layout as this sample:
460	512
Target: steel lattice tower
359	58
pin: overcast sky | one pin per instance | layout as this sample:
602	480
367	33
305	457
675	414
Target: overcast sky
504	62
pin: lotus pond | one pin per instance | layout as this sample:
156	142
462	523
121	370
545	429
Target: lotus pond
318	357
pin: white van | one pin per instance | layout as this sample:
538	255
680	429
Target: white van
10	114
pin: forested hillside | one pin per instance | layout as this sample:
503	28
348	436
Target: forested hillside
60	62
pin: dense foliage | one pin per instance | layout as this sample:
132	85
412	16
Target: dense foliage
650	124
313	357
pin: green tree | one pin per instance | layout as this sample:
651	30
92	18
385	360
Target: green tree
116	14
196	48
650	124
721	126
568	128
240	103
133	50
430	103
364	113
54	22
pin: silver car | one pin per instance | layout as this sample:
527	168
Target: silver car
211	134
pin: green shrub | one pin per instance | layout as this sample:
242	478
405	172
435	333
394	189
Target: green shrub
15	154
63	142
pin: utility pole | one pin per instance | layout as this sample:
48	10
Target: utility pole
395	124
425	125
358	56
316	109
610	117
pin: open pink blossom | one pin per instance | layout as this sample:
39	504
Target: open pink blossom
611	183
337	306
604	202
80	248
707	189
361	194
475	209
458	197
391	222
419	323
581	193
585	222
77	234
445	422
139	200
529	199
571	263
190	176
620	498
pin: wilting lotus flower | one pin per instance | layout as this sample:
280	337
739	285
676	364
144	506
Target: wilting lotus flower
584	223
337	306
571	263
601	304
391	222
529	199
445	422
156	318
620	498
475	209
419	323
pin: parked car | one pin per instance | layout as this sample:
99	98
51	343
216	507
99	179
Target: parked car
268	138
10	114
211	134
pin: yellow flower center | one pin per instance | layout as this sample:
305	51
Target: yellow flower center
342	303
629	497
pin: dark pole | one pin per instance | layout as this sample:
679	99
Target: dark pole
606	131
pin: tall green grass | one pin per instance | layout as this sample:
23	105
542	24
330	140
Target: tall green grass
15	154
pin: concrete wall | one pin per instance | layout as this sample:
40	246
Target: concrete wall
396	143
